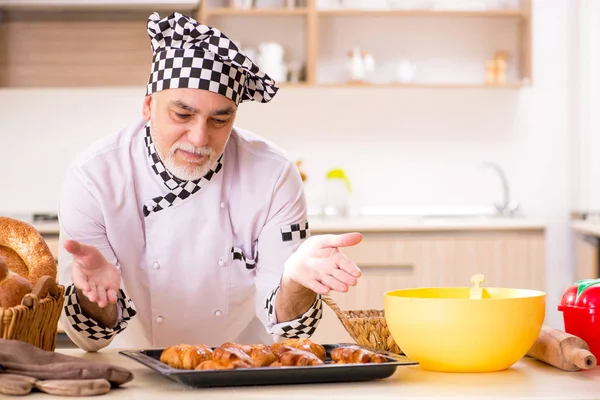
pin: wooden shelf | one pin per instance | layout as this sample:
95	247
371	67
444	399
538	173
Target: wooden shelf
54	43
421	85
101	5
391	85
293	84
424	13
209	12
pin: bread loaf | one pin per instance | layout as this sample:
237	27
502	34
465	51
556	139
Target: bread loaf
24	259
13	261
25	251
12	291
3	269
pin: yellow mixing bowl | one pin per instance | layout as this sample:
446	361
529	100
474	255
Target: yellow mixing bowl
451	330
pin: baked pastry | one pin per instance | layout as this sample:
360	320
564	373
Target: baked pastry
210	364
231	358
25	251
290	352
289	356
173	355
260	354
3	269
186	356
195	355
355	355
301	344
12	291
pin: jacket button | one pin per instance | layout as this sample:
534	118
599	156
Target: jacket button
159	319
222	205
218	313
221	262
156	265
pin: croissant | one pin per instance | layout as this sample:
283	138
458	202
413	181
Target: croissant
289	356
289	352
231	357
185	356
355	355
210	364
260	354
301	344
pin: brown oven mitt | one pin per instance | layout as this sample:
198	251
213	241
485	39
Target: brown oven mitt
54	373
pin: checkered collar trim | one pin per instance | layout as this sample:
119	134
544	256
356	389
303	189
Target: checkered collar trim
179	189
187	54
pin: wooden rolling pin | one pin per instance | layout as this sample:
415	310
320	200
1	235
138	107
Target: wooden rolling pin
562	350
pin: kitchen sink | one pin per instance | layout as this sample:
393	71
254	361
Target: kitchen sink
507	208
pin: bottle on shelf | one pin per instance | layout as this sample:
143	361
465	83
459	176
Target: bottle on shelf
496	69
336	199
360	64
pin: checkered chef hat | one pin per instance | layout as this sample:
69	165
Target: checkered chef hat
191	55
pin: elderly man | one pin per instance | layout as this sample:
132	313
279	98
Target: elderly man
183	228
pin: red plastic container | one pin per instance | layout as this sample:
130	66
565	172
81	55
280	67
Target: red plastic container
580	306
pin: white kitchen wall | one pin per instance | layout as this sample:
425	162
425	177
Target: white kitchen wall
399	146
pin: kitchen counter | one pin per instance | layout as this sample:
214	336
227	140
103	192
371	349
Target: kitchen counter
416	224
587	227
528	379
47	228
319	224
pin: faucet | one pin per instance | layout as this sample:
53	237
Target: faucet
507	208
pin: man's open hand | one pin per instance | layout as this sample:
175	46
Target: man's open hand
91	273
320	265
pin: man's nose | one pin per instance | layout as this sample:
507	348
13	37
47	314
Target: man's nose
198	134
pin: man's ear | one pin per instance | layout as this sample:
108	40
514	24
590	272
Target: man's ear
147	107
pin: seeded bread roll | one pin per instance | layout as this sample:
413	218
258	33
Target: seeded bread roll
20	240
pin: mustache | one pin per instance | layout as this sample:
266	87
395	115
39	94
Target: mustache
190	148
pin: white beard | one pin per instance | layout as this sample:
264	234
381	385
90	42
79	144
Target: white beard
186	172
189	172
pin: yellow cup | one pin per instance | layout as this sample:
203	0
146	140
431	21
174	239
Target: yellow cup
460	329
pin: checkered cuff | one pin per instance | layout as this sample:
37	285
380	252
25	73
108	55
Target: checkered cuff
295	232
90	328
303	327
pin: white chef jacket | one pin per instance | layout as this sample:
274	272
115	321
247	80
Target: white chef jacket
200	263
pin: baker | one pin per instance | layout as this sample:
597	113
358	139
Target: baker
184	228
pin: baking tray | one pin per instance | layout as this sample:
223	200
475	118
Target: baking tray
275	375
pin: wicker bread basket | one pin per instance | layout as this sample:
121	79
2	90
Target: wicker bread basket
34	321
367	327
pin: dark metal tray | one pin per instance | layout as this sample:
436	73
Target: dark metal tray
275	375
